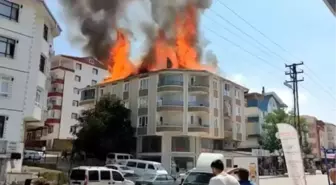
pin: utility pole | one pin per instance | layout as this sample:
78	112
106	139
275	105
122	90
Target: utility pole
293	84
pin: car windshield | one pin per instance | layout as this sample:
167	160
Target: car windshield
124	168
198	178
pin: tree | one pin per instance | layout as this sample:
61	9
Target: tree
270	142
105	128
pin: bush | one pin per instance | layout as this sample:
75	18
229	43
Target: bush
55	177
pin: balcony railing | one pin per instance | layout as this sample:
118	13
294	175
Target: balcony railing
170	103
170	82
198	104
198	84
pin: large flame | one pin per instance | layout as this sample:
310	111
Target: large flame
182	54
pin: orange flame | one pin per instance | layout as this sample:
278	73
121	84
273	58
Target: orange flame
183	54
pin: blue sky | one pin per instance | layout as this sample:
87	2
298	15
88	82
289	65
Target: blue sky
305	29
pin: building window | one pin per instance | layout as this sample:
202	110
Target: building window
77	78
5	86
42	63
226	90
151	144
237	94
2	125
38	97
74	115
215	123
143	102
9	10
237	111
215	102
45	32
180	144
144	84
93	82
7	47
75	90
78	66
215	84
95	71
238	127
142	121
126	87
75	103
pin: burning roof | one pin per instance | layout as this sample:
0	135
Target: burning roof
173	35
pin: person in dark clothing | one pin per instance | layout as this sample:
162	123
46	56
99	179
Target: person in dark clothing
243	175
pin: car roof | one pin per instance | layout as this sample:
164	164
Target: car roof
143	161
92	168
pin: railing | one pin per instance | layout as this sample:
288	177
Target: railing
170	103
196	124
60	90
168	124
198	104
170	82
199	84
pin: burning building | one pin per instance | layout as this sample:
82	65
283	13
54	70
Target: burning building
180	107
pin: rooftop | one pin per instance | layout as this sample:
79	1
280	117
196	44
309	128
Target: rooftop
87	60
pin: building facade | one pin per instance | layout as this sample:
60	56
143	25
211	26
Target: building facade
68	75
27	31
258	105
330	135
178	113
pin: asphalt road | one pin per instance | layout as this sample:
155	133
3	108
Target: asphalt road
318	179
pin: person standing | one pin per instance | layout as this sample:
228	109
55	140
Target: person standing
221	177
332	176
243	175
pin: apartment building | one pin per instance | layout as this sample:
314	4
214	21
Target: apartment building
179	113
315	135
331	4
27	31
258	105
68	75
330	135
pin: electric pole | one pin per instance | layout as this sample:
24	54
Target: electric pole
293	84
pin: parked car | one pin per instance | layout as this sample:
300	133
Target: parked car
32	155
159	179
132	177
122	168
117	158
143	167
97	175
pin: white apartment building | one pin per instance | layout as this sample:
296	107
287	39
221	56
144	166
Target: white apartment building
178	113
27	31
68	75
330	135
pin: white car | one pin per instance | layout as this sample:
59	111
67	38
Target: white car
122	168
32	155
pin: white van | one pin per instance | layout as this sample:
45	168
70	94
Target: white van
117	158
86	175
142	167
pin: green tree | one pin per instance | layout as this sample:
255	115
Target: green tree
105	128
270	142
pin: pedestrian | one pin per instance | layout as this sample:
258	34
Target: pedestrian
221	177
243	175
332	175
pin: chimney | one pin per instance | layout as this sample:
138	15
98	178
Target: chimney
263	90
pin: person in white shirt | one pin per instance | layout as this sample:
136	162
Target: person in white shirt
221	177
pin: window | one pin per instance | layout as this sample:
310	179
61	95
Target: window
229	163
143	84
112	167
150	166
143	121
78	66
93	175
50	129
38	97
141	165
131	164
237	94
45	32
77	175
76	90
215	84
215	123
105	175
215	102
74	115
5	86
238	128
126	87
75	103
2	125
7	46
94	71
143	102
9	10
226	90
45	131
93	82
117	176
77	78
180	144
42	63
237	111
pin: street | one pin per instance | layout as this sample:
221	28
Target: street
318	179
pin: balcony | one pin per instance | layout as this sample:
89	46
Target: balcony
198	106
227	109
56	92
170	85
198	128
169	127
199	87
169	105
87	96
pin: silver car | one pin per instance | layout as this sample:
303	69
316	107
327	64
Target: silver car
156	180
